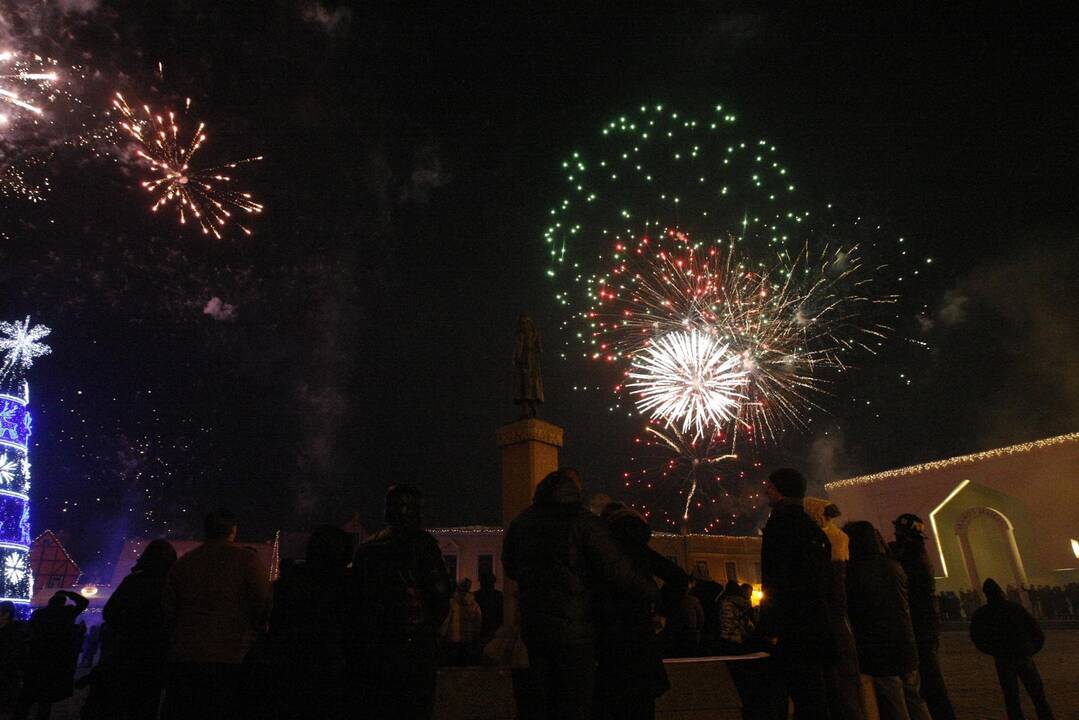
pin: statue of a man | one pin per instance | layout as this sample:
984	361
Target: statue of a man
527	383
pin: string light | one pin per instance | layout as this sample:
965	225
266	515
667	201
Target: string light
954	462
21	344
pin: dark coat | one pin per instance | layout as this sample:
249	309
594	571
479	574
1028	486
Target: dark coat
13	647
921	592
55	642
401	585
630	672
560	553
630	664
307	641
796	574
877	606
491	609
1002	628
136	620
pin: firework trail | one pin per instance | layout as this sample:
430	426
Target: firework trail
32	74
202	194
693	465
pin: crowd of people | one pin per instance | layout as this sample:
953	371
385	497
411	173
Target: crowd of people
1045	602
848	628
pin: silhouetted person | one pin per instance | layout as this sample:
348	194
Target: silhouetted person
630	673
463	626
709	594
55	641
308	637
909	551
842	677
403	595
490	601
128	681
796	574
1006	631
880	616
560	554
217	597
13	649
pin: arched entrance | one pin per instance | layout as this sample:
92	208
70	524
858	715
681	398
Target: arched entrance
994	521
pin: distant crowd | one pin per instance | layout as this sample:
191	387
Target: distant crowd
1045	602
848	627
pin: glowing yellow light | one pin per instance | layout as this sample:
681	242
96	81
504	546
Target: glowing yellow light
933	522
1075	548
89	591
757	595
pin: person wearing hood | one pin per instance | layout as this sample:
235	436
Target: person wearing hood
796	574
880	617
560	554
843	680
306	641
1005	630
402	592
909	551
630	673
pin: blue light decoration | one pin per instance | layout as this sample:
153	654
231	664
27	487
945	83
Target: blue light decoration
20	343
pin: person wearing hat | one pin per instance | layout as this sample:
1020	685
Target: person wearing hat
796	572
1005	630
909	551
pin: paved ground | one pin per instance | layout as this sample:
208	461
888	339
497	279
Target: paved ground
972	680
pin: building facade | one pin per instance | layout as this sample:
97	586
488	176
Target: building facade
1011	513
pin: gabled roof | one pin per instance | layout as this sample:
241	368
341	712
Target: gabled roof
49	535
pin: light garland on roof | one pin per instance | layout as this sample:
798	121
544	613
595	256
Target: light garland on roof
955	461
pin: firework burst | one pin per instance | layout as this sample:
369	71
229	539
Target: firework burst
689	380
782	328
202	194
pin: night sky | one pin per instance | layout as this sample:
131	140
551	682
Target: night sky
363	335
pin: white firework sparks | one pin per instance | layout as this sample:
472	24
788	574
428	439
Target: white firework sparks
689	381
30	73
22	345
7	469
14	568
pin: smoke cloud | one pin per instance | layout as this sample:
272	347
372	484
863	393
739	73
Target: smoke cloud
219	310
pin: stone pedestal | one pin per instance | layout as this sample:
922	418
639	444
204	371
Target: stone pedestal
529	453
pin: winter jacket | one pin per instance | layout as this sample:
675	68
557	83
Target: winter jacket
560	553
628	654
736	622
1002	628
216	598
922	591
796	573
402	586
877	606
135	616
55	642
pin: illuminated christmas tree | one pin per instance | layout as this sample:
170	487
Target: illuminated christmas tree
21	345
